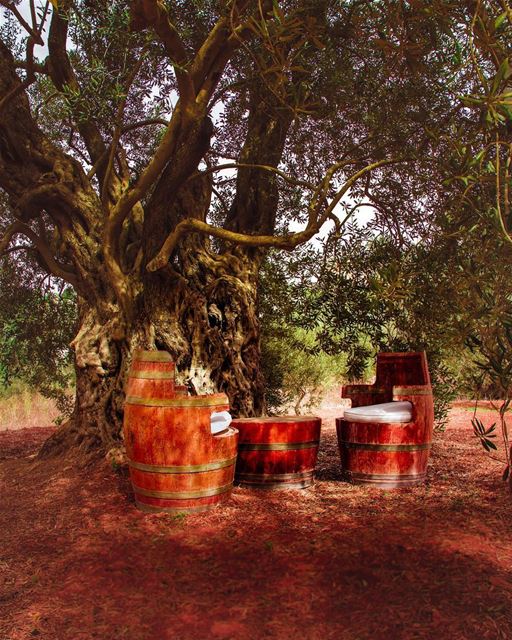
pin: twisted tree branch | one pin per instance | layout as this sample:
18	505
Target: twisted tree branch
43	249
289	241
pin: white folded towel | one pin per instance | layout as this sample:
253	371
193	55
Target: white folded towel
397	411
220	421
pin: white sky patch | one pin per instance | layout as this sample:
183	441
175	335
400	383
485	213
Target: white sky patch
40	51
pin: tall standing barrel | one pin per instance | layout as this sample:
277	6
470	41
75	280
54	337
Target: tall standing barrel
176	463
278	452
389	454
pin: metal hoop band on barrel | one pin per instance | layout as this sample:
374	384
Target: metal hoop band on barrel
277	446
152	375
282	477
195	468
152	356
300	483
182	495
411	391
195	401
367	446
384	480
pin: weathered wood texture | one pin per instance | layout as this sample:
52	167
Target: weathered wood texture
277	452
176	464
389	454
181	390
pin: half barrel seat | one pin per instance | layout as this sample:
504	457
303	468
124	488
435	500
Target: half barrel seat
278	452
385	437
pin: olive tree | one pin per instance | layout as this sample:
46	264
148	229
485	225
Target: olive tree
156	150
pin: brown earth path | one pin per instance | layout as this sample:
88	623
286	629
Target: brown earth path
79	562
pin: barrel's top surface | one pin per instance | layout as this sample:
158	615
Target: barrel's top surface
276	419
385	412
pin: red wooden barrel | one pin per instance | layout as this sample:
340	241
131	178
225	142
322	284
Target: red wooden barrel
151	375
277	452
176	464
389	454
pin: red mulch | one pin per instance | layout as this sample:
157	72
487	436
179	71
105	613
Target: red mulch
79	562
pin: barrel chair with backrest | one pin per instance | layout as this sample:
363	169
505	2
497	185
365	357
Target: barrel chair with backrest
385	437
181	449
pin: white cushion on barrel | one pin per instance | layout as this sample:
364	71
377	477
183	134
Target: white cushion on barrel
385	412
220	421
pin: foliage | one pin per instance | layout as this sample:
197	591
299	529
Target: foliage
37	321
492	348
297	373
296	370
369	295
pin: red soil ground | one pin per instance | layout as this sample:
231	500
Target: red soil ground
79	562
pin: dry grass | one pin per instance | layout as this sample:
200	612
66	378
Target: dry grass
25	409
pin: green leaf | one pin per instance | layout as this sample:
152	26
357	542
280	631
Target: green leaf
500	20
476	159
278	14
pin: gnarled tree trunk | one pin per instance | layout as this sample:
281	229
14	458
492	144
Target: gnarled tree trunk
205	317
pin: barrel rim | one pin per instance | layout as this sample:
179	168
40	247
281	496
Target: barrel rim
278	419
277	486
386	476
394	425
386	481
